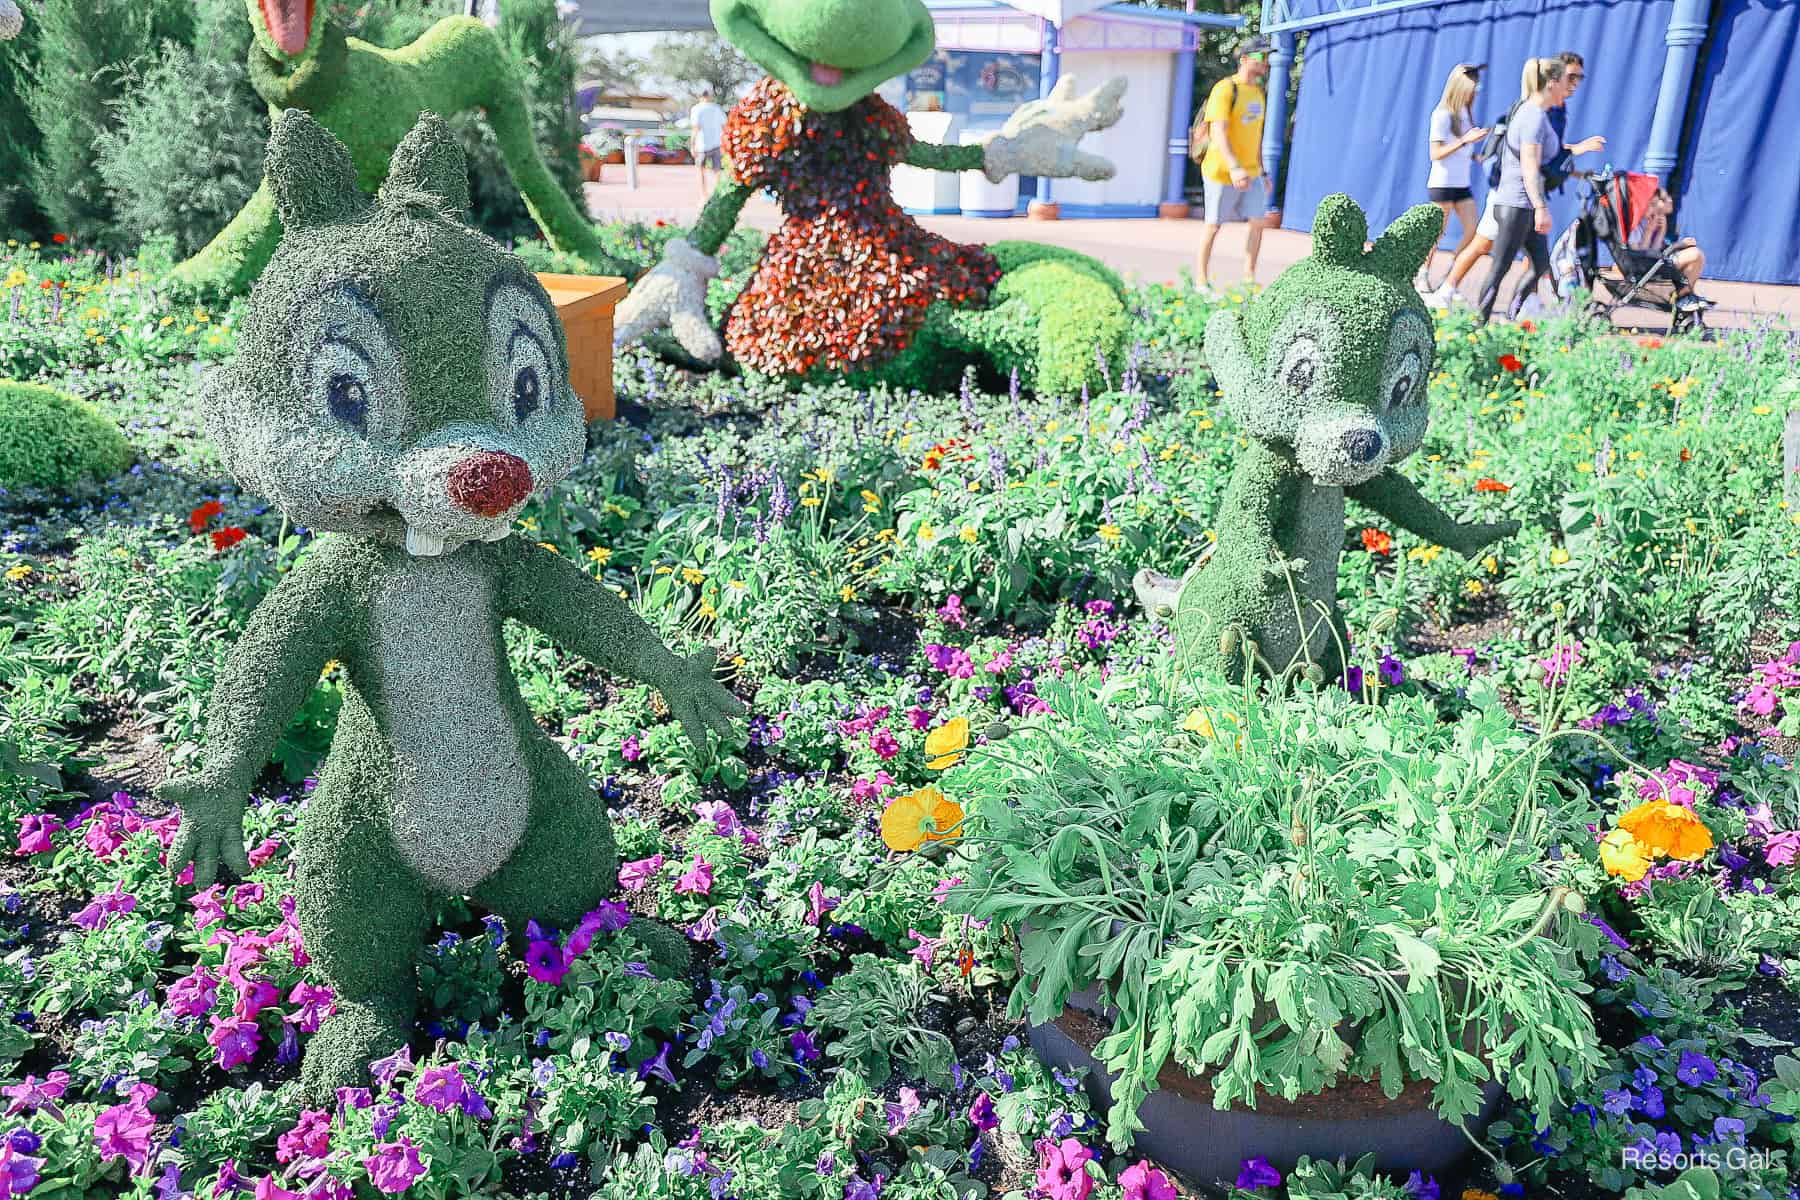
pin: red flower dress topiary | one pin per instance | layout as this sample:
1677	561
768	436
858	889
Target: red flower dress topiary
846	280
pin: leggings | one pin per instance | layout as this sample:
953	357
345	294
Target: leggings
1515	234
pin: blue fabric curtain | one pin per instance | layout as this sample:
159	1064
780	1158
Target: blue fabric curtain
1741	179
1368	87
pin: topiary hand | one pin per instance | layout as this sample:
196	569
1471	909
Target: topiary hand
699	701
673	297
1041	137
212	827
1471	539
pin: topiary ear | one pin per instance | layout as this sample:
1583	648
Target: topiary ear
310	173
1339	230
429	159
1401	250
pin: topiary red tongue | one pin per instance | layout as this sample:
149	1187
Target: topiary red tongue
826	76
289	23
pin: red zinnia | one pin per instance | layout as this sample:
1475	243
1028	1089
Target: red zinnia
1510	362
200	516
1650	343
1377	541
1492	485
59	238
226	538
1527	326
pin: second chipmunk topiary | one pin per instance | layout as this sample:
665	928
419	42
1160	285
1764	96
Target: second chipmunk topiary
1325	373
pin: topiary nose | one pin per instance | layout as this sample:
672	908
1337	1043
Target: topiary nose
489	482
1362	445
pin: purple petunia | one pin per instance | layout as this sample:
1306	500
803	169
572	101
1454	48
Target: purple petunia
1254	1173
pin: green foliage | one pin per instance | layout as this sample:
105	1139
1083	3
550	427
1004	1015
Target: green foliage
83	50
191	124
872	1014
1246	877
52	440
1316	1179
691	61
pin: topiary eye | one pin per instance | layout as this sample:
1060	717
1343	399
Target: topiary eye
526	392
1300	375
1300	366
348	400
1402	388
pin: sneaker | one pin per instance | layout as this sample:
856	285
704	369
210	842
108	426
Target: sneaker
1442	296
1692	303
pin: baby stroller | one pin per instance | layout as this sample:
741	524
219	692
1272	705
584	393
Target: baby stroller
1616	201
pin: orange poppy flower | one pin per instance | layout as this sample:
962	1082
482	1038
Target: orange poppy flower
1377	541
944	745
965	961
919	817
1492	485
1668	830
1622	855
1511	362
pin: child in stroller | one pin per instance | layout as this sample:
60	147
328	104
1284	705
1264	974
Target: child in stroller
1628	213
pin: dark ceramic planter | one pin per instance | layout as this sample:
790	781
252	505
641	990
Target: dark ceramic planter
1184	1131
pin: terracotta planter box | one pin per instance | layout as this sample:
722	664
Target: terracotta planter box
585	303
1183	1130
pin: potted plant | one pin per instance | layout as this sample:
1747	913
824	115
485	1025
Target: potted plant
1303	923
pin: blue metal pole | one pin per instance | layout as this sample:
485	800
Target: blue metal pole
1181	114
1047	77
1687	29
1275	120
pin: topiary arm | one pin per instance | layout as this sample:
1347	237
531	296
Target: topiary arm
1395	497
551	594
293	633
720	215
929	156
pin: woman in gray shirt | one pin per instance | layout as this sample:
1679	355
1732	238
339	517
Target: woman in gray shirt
1520	208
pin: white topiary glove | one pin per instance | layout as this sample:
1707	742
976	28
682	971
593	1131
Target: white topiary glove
673	297
1040	137
11	20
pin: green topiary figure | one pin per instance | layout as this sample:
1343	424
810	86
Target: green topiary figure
850	284
369	98
402	382
1326	373
52	440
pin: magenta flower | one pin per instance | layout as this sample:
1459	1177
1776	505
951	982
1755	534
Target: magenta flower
1000	663
884	745
545	963
951	612
1254	1173
925	953
1141	1181
105	906
630	750
32	1095
982	1115
19	1171
634	875
1782	848
193	995
263	851
951	660
267	1189
313	1004
1559	664
235	1038
394	1166
898	1115
255	996
610	917
309	1138
941	892
207	908
34	834
697	880
1062	1170
246	894
723	817
919	718
818	903
123	1131
444	1088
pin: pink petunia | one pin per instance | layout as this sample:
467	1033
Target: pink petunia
394	1166
1062	1170
123	1130
193	995
1141	1181
925	953
697	880
34	834
253	998
309	1138
313	1004
31	1095
207	908
883	743
105	906
634	875
263	851
235	1039
1782	848
720	815
545	963
818	903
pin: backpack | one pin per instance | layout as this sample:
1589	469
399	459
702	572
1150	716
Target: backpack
1493	146
1200	132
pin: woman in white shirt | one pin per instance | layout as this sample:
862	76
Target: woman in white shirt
1453	138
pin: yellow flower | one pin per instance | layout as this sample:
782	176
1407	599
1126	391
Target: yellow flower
822	474
1762	410
919	817
1558	557
17	572
1491	565
944	745
15	277
871	502
330	666
1667	830
166	321
927	535
693	575
707	611
967	534
600	554
550	548
1477	1193
1621	855
1474	587
1680	387
1200	722
847	594
810	502
1110	532
737	585
1425	554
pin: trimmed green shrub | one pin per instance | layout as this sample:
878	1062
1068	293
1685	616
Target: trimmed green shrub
51	440
188	148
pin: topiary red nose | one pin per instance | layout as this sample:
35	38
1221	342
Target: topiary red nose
489	482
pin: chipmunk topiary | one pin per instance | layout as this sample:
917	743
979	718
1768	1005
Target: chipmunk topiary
402	382
1325	372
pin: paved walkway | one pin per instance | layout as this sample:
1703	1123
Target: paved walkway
1147	250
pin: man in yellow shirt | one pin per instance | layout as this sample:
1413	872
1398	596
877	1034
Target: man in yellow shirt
1232	169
